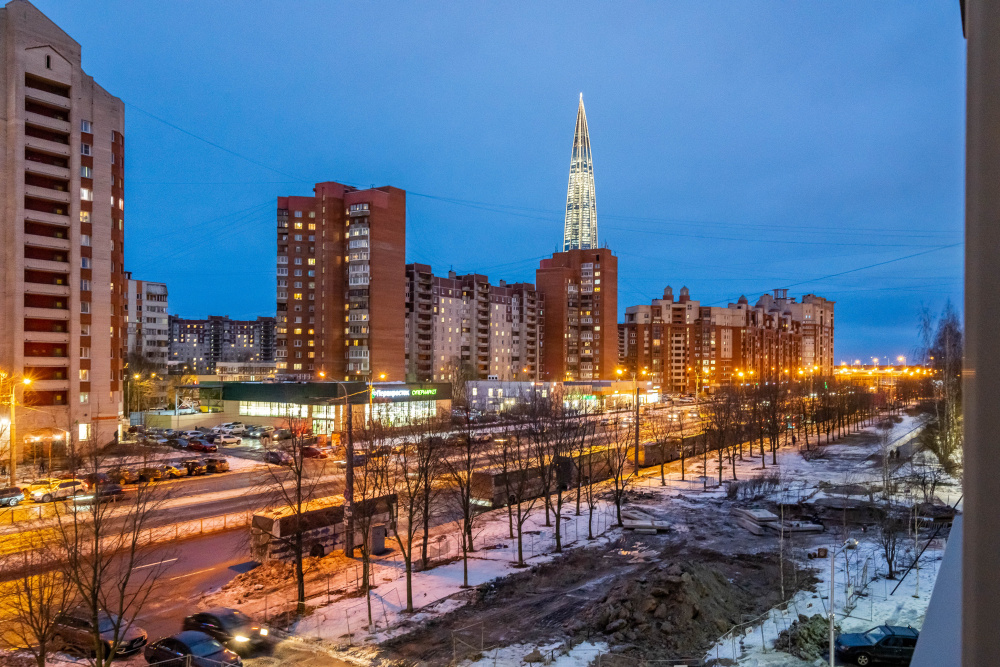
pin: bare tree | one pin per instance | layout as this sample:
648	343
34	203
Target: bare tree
32	599
100	537
462	459
889	536
523	486
407	476
618	441
372	496
292	478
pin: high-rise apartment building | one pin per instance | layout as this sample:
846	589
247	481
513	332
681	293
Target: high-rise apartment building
197	346
580	339
148	330
816	315
464	324
687	347
580	230
341	283
63	286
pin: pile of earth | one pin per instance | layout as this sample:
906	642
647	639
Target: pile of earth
266	576
807	638
679	610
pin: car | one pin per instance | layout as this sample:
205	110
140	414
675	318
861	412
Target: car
310	452
282	434
226	439
59	489
194	467
177	443
278	457
190	648
109	491
11	496
44	483
260	431
92	479
122	476
173	471
233	428
216	464
151	474
187	435
233	629
885	644
482	438
73	629
202	446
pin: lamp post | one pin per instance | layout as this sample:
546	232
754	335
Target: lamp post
12	402
635	381
849	544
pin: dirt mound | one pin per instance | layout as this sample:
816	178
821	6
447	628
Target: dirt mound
680	609
808	638
263	577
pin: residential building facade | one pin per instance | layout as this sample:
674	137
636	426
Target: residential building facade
62	284
686	347
341	286
147	325
465	326
198	346
580	292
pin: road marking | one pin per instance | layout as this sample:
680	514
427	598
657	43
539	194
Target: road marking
191	574
169	560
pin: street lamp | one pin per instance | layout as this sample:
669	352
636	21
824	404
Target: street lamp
12	401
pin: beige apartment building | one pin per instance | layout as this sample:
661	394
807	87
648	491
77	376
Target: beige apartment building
466	323
147	322
63	284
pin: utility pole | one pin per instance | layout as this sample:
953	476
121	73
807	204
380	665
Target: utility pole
636	380
349	481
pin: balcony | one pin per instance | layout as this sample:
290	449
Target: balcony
42	169
50	99
45	146
47	313
46	337
47	194
47	122
50	385
51	290
45	265
43	216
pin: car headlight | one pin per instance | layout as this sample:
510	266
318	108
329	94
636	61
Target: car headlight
263	632
241	639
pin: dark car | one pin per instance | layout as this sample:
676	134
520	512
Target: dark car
11	496
94	479
194	467
122	476
278	457
885	644
177	443
151	474
74	630
199	445
232	628
190	648
107	492
216	464
310	452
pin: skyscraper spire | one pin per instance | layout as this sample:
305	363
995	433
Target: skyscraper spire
581	201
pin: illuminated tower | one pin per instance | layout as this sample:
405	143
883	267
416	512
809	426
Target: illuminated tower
581	201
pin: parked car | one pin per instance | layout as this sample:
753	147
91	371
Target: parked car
59	489
233	428
190	648
173	471
282	434
216	464
230	627
278	457
122	476
482	438
226	439
177	443
194	467
886	644
310	452
187	435
151	474
92	479
11	496
30	488
74	630
260	431
108	491
202	446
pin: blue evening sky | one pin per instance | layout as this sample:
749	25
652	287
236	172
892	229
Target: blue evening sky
738	146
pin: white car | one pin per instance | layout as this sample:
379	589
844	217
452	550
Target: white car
234	428
191	434
227	439
58	489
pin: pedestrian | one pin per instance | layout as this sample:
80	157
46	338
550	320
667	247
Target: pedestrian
793	441
41	467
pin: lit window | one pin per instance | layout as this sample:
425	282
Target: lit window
84	375
311	262
297	296
86	194
298	225
86	172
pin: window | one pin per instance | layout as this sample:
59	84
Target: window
85	126
85	397
85	149
84	262
85	353
83	431
297	296
84	216
298	225
311	262
84	306
298	237
86	172
121	207
84	375
298	214
312	226
312	214
48	62
85	239
84	329
282	270
84	284
86	194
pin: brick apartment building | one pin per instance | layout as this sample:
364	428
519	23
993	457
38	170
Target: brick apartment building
580	332
465	323
341	284
687	347
198	346
148	329
62	285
